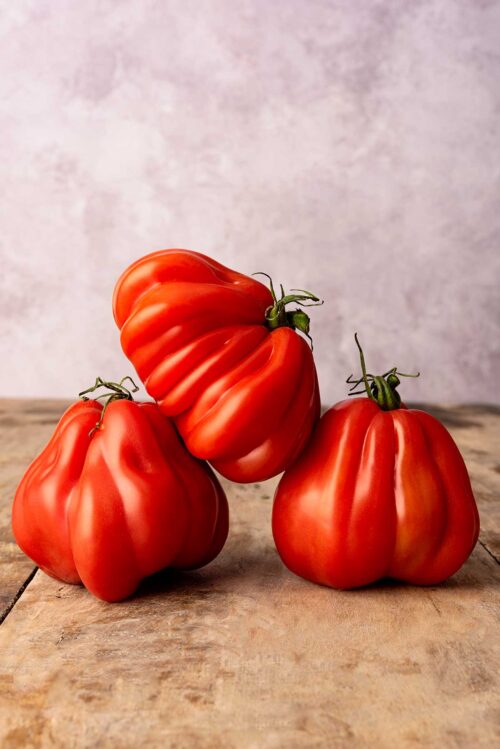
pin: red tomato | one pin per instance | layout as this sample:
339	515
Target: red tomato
220	355
380	491
113	507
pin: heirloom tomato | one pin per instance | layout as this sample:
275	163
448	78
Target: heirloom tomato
115	497
220	354
380	491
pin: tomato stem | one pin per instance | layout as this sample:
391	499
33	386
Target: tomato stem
382	389
118	392
277	316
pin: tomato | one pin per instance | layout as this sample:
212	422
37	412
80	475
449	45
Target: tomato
380	491
109	506
221	356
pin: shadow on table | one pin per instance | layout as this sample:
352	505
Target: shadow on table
264	566
220	576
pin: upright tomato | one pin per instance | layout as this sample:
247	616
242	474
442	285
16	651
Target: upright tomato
219	353
380	491
111	505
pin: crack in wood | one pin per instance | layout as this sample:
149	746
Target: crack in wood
18	595
488	551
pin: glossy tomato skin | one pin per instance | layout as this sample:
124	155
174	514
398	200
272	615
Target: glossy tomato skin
109	509
376	494
242	396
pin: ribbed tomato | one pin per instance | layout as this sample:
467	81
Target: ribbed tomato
380	491
110	506
221	356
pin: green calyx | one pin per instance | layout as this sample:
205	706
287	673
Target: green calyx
118	392
277	316
382	389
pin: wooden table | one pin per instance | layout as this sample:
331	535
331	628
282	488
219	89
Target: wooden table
242	653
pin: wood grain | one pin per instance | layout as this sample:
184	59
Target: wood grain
244	654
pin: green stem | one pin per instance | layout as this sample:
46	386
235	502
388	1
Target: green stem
382	389
118	392
277	316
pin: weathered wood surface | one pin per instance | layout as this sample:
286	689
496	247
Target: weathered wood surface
244	654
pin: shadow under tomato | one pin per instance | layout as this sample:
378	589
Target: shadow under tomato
480	572
169	581
219	576
262	567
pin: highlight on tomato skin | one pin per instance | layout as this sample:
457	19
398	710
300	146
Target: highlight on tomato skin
115	497
380	491
224	357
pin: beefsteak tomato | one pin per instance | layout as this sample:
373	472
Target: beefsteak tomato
221	356
380	491
109	505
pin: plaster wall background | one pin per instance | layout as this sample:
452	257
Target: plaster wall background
350	148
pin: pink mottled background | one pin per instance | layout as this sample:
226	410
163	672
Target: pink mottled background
351	148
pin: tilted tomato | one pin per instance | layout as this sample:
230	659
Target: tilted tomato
219	353
111	505
380	491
